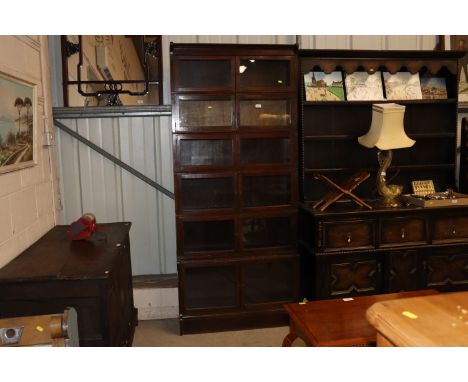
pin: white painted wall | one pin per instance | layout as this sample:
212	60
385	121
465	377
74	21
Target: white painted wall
28	198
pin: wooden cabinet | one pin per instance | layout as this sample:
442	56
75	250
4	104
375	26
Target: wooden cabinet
347	250
94	277
353	252
235	172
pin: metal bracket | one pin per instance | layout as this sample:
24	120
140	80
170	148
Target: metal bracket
71	48
10	336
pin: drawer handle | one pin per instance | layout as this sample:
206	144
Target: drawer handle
454	230
403	233
348	238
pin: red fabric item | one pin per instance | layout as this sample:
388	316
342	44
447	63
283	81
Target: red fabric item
81	229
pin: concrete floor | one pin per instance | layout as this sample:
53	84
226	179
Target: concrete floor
166	333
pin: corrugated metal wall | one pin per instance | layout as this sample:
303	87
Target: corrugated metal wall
90	182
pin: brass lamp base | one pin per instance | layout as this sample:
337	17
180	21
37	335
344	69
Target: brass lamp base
389	192
388	203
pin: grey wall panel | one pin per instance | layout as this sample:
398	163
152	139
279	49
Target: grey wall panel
379	42
91	183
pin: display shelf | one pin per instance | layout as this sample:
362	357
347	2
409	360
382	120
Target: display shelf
347	250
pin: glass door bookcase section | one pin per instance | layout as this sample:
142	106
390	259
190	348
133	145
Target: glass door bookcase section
201	74
213	289
267	190
235	147
266	150
213	192
203	113
208	287
259	112
266	74
203	152
269	231
200	235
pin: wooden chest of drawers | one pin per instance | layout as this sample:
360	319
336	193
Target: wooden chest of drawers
93	277
349	252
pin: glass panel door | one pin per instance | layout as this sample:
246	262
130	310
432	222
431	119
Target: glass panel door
257	73
264	112
204	113
192	74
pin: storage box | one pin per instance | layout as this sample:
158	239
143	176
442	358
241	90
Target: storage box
94	277
457	200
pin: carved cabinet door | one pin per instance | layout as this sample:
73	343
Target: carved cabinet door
402	271
446	269
348	275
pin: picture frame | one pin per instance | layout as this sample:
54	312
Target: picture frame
321	86
18	123
362	86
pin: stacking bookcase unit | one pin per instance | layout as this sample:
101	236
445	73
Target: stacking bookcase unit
235	172
347	250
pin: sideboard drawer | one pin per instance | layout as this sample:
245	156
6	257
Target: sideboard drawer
403	231
450	228
348	235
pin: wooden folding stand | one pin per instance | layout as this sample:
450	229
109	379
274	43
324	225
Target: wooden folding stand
338	191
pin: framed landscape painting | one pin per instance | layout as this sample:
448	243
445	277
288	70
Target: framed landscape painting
320	86
17	124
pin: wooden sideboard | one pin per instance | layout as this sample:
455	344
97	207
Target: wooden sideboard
383	250
94	277
348	250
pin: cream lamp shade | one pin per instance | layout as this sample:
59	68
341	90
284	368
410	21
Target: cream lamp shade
387	131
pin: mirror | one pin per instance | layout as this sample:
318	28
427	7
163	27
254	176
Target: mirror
117	70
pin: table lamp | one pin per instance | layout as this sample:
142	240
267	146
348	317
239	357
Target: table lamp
387	133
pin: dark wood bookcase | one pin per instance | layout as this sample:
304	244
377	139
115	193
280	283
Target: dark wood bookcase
235	169
348	250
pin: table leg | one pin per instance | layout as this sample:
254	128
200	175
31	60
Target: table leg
290	337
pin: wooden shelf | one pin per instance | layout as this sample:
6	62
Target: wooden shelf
354	137
360	103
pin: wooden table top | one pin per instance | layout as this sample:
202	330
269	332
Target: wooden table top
340	322
439	320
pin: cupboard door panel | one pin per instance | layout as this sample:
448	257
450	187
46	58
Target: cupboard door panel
447	270
205	152
207	192
347	275
255	73
265	151
205	113
270	281
267	232
215	235
210	287
402	271
202	74
265	113
266	190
